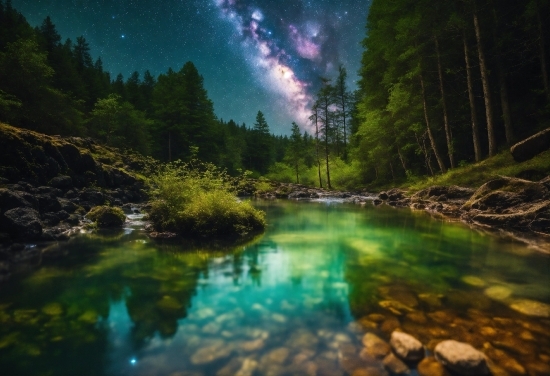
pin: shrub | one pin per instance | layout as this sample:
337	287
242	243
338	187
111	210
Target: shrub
198	200
106	216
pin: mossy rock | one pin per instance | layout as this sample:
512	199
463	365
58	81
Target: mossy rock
106	216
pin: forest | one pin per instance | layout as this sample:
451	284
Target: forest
441	86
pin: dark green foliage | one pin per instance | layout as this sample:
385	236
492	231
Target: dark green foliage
259	145
119	124
402	97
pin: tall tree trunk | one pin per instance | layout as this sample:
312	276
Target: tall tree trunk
402	159
422	146
448	133
326	157
430	135
506	114
473	110
486	89
542	54
317	150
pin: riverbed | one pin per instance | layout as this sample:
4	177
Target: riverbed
298	299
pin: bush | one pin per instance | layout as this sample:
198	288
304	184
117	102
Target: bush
106	216
198	200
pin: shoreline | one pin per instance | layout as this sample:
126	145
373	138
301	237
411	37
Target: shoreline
508	207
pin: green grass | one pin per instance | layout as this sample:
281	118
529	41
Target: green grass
475	175
198	200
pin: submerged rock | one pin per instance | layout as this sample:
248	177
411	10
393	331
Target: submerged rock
375	346
395	366
473	281
431	367
208	354
531	307
406	347
461	358
498	292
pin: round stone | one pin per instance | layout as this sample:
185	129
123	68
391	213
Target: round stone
461	358
406	347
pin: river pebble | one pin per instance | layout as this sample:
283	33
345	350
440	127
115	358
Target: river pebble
461	358
406	347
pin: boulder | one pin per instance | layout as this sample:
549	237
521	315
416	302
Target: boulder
48	203
461	358
10	199
530	147
22	223
93	196
523	189
443	193
406	347
61	182
68	206
298	194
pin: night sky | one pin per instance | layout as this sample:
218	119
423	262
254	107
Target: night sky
254	55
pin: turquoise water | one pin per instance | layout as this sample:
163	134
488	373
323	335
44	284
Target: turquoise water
296	300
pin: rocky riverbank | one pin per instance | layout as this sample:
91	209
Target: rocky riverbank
518	207
49	183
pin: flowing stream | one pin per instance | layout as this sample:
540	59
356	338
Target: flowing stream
297	300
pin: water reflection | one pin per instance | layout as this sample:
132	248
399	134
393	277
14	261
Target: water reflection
297	300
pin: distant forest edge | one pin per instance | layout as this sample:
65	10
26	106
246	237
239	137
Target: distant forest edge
441	85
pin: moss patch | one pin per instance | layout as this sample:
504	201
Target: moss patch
106	216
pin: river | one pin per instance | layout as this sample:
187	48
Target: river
298	299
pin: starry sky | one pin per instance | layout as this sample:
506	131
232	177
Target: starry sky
266	55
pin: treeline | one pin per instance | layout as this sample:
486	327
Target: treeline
448	83
57	87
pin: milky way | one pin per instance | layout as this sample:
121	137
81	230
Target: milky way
288	52
254	55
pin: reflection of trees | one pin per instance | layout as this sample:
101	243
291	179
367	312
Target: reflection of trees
158	302
157	282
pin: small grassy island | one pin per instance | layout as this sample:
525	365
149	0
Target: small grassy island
199	200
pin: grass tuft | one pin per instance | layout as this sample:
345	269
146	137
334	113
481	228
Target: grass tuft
198	200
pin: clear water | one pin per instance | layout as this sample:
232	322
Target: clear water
297	300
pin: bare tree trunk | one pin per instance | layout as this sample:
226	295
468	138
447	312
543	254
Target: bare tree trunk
542	56
326	157
425	151
506	114
391	169
486	88
448	133
317	150
402	159
430	135
473	110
